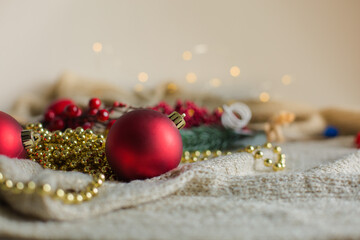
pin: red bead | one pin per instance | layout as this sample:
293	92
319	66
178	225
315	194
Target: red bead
49	115
58	106
143	144
103	115
71	110
10	137
93	112
94	103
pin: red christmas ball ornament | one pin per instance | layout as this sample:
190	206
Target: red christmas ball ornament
10	137
357	140
144	143
58	106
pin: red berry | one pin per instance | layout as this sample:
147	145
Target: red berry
71	110
119	104
79	112
103	115
94	103
56	124
49	115
109	125
116	104
58	106
93	112
86	125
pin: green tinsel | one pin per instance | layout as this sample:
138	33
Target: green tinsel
213	138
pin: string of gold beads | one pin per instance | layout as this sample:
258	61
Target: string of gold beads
67	196
72	150
256	151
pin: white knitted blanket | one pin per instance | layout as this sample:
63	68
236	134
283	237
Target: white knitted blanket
230	197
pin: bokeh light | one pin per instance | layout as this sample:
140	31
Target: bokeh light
191	77
97	47
234	71
286	79
264	97
143	77
215	82
187	55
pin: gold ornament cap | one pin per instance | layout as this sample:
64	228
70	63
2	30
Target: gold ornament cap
178	119
29	138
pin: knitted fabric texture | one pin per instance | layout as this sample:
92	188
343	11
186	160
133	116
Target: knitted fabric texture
229	197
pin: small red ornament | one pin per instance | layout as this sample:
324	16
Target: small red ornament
143	144
10	137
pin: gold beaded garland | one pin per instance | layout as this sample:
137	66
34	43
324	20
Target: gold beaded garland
79	150
46	190
190	157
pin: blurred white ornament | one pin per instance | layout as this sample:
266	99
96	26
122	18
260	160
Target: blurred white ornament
236	116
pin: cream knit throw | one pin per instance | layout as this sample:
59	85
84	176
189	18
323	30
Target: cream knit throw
229	197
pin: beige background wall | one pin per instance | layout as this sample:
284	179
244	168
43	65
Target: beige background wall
315	42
